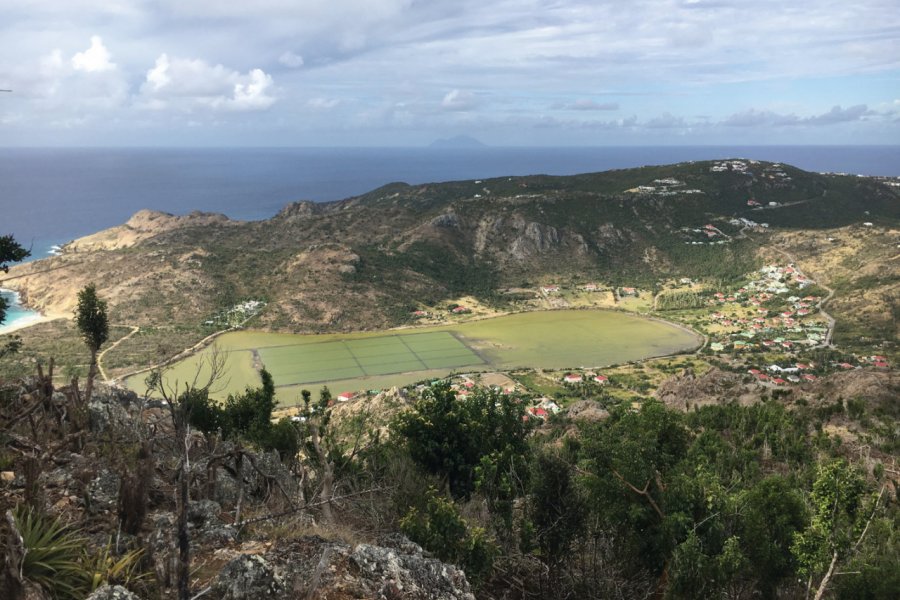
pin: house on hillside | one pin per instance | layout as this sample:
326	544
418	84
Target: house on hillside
572	378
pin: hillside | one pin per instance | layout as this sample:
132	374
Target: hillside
684	476
367	262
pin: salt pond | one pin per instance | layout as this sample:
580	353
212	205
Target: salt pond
375	360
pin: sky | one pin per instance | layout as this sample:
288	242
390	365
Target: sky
406	72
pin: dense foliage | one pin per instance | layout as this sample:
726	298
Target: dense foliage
246	416
725	501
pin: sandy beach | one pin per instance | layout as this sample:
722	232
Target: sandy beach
16	324
26	322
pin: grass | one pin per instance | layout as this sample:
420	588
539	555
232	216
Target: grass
376	360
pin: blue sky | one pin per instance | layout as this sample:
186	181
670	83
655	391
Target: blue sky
405	72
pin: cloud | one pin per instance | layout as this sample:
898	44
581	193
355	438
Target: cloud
95	59
666	121
457	100
322	103
190	83
767	118
291	60
840	115
586	104
759	118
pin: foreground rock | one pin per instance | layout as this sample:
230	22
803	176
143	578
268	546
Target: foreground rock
317	569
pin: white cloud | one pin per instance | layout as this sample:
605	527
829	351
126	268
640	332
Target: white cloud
322	103
586	104
768	118
291	60
186	83
457	100
252	95
94	59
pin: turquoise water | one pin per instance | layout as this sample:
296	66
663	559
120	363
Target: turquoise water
14	312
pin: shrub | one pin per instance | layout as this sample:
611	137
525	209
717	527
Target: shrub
439	529
53	555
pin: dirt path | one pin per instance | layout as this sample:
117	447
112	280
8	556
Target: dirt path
100	356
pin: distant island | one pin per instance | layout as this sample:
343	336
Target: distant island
459	141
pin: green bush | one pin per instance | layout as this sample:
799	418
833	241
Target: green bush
439	529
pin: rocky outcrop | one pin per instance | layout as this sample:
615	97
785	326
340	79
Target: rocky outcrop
316	569
247	577
143	225
713	387
298	210
447	220
588	411
112	592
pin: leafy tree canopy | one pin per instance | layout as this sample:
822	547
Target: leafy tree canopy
449	437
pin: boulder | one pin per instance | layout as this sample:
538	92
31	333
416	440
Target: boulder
247	577
318	569
112	592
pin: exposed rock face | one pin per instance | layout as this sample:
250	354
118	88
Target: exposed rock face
247	577
103	491
587	410
315	569
448	220
112	592
304	208
713	387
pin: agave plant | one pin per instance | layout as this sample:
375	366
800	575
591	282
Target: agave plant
52	554
107	568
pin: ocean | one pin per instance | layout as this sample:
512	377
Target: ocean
50	196
16	316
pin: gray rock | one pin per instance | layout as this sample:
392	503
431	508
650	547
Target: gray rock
103	491
410	577
448	220
203	518
107	412
204	513
318	569
112	592
247	577
161	546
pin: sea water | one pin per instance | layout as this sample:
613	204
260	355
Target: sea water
52	195
15	314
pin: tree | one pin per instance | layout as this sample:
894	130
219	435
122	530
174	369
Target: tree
181	399
90	316
10	251
449	437
558	508
250	414
840	513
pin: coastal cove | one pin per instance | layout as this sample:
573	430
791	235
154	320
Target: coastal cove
557	339
17	317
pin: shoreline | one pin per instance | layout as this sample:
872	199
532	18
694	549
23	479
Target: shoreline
25	322
36	317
